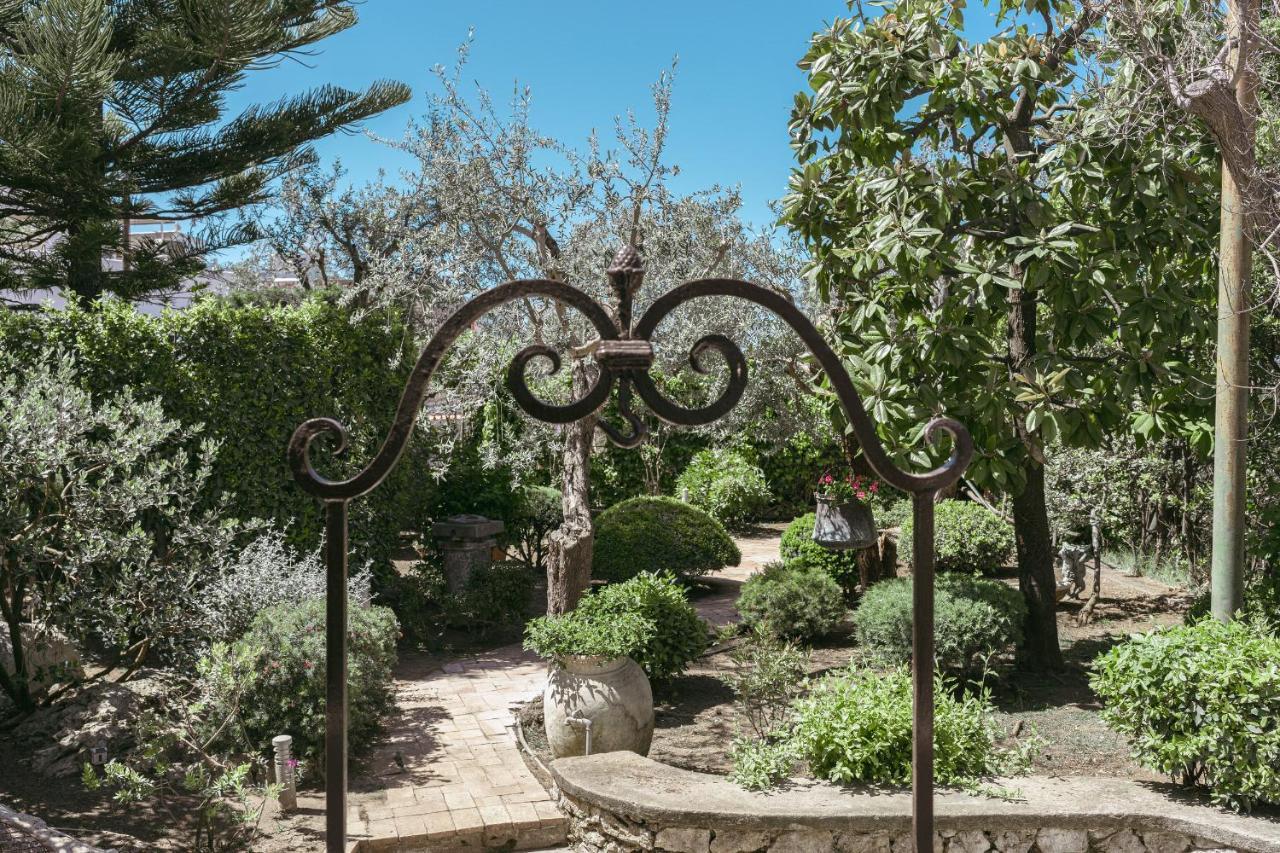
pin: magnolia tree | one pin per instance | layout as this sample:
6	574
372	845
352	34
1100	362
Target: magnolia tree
510	203
988	249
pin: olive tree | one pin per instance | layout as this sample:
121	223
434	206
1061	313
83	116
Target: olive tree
511	203
989	249
106	532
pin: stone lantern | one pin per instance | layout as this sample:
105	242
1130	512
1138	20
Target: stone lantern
467	543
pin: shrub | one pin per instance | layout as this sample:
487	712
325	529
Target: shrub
172	768
266	573
766	678
855	727
760	764
1261	600
108	524
1200	703
678	635
725	484
538	512
794	600
582	634
974	620
892	512
648	618
798	544
968	537
656	534
495	595
286	647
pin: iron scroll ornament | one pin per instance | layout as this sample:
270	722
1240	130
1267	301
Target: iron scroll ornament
624	354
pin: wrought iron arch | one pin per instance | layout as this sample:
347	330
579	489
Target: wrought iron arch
624	353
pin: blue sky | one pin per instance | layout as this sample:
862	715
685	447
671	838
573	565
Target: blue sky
587	62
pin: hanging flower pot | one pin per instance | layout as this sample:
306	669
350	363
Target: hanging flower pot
843	521
844	526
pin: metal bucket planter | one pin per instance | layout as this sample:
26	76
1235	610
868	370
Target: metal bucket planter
595	704
843	526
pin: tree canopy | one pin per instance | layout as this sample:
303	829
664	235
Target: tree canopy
990	249
112	110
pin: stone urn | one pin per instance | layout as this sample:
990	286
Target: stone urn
604	701
843	526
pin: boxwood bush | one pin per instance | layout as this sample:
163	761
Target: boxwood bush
974	620
285	648
1200	703
797	544
855	727
648	618
726	484
968	538
792	600
658	534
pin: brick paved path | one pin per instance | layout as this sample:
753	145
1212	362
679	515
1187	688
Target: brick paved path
464	781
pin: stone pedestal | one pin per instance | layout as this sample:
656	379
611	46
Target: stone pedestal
466	542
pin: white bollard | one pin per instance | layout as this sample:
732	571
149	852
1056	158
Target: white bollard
283	745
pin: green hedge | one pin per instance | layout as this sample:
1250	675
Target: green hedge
251	375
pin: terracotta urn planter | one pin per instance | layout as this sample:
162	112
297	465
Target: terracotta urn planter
843	526
606	700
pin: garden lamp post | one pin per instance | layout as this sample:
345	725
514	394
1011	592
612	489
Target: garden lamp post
624	355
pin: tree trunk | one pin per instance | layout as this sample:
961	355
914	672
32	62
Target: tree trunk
571	545
84	265
1035	573
1231	399
1030	515
877	563
16	686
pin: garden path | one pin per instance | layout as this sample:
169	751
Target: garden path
463	780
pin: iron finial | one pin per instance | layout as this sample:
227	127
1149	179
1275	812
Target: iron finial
626	274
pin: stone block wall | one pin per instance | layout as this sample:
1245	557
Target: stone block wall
593	829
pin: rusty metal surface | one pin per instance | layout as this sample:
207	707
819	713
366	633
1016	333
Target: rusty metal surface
624	357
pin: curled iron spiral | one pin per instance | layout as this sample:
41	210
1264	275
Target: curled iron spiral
622	358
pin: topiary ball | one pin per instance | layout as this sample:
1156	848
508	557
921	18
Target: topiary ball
791	600
659	534
968	538
974	620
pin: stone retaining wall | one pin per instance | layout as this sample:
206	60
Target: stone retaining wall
622	802
22	832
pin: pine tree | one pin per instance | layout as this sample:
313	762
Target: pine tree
112	110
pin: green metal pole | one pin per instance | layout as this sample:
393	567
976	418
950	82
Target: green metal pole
1231	409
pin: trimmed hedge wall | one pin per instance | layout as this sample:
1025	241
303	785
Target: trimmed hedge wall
251	375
